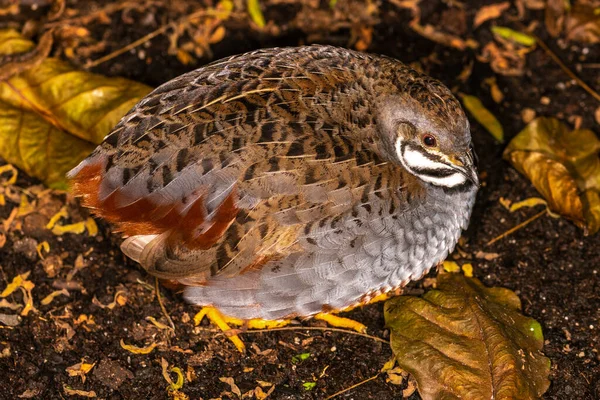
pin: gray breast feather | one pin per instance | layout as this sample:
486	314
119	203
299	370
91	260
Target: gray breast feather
380	255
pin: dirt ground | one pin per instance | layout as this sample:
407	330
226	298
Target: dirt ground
550	264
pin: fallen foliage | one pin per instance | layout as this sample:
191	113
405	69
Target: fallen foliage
52	115
564	166
466	341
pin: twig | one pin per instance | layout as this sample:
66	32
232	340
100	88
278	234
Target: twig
318	328
516	228
109	9
353	386
150	36
162	306
14	64
566	69
130	46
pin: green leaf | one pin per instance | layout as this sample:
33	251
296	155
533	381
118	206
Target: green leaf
517	37
52	115
300	357
255	13
483	116
466	341
564	166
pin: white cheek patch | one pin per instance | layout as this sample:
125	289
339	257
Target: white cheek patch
416	160
448	181
419	165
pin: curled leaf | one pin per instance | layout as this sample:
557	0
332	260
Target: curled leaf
137	350
48	299
52	115
564	166
489	12
484	116
466	341
16	283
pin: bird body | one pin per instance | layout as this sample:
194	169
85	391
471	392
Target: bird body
287	182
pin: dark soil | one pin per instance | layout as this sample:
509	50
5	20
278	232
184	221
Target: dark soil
550	264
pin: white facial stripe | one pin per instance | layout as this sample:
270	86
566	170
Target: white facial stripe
448	181
414	161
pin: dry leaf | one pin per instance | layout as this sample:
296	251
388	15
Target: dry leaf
564	166
52	116
466	341
74	392
80	369
446	39
483	116
506	54
487	13
583	24
48	299
233	387
137	350
555	16
16	283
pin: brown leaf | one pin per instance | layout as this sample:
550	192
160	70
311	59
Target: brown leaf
487	13
583	24
503	58
555	16
564	166
446	39
52	116
466	341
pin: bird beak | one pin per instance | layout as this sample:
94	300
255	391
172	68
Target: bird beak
467	165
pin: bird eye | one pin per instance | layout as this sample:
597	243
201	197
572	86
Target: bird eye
429	140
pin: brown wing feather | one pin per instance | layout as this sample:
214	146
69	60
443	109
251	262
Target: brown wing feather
226	168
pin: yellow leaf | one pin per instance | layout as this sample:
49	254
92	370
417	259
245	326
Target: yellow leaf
77	228
13	171
42	246
15	284
517	37
564	167
62	213
26	288
25	207
48	299
91	226
52	115
451	266
255	13
483	116
138	350
530	202
467	270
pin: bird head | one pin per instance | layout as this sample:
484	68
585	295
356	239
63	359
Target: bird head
425	129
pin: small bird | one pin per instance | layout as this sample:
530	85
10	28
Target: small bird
287	182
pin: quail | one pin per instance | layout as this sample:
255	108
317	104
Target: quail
287	182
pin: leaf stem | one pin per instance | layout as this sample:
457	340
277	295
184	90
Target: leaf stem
353	386
516	228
